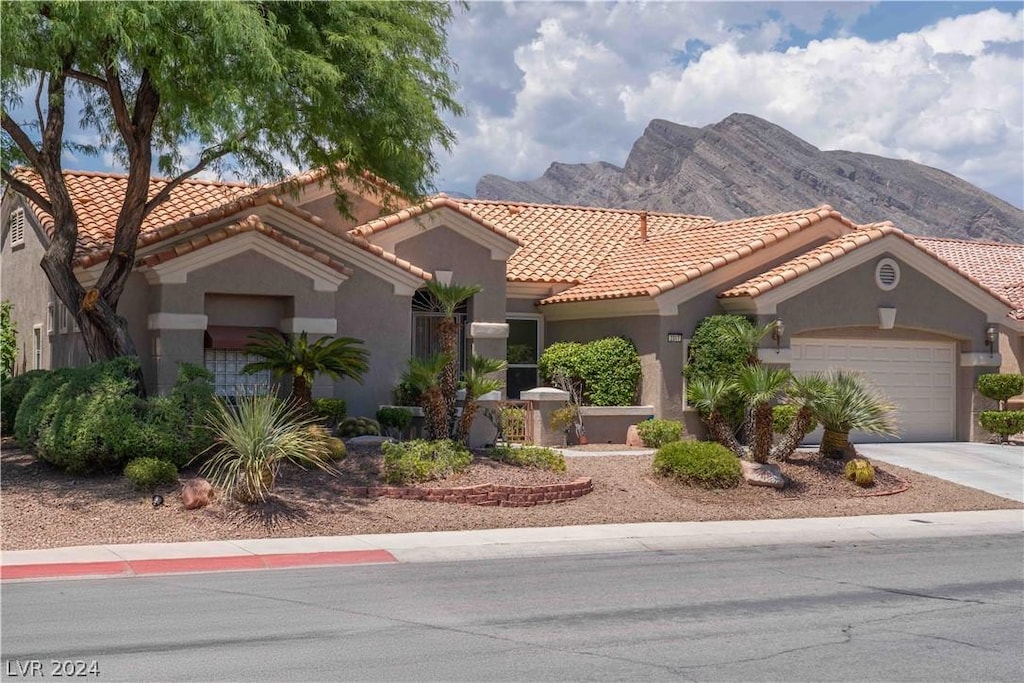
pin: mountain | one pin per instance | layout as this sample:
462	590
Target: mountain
745	166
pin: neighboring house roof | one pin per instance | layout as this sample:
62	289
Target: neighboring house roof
569	243
998	267
440	201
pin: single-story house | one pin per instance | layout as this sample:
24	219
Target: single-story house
922	317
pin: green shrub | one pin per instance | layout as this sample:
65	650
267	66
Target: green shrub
1002	422
358	426
783	416
1000	387
537	457
337	448
608	369
330	411
717	352
407	394
148	473
12	394
860	471
394	419
658	432
409	462
699	463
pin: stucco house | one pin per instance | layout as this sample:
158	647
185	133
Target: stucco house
921	317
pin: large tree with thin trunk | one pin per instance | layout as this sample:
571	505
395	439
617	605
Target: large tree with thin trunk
182	88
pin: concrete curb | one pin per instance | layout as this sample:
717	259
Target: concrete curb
274	553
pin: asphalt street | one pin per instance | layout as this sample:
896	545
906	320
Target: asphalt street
915	609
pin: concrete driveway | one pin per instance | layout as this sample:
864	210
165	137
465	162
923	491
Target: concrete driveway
989	467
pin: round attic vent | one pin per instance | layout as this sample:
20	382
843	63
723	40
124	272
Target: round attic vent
887	274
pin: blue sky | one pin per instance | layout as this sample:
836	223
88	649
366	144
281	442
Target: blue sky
940	83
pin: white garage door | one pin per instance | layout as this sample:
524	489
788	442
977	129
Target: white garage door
916	376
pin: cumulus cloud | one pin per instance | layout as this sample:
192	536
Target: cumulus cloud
578	82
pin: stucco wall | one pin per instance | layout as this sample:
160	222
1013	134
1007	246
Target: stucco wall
25	285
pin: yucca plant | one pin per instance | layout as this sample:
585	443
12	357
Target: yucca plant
254	435
851	404
337	357
479	381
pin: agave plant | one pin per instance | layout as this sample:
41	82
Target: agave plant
479	381
254	435
851	404
337	357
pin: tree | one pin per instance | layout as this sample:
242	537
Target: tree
8	341
349	87
293	355
480	380
851	404
423	375
446	299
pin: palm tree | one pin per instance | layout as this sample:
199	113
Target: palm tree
759	387
802	392
851	404
479	381
424	375
750	336
447	298
709	395
293	355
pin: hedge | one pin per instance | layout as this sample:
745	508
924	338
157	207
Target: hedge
14	391
608	370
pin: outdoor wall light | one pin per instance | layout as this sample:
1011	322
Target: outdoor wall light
778	329
991	334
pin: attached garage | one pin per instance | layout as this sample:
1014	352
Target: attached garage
919	377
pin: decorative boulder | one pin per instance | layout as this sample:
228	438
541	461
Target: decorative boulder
758	474
196	493
633	437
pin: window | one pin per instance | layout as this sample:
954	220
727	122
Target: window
63	314
49	318
426	333
523	352
16	226
226	366
37	347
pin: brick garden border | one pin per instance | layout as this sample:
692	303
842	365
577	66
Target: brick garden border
494	495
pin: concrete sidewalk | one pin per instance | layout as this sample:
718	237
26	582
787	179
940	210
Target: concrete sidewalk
169	558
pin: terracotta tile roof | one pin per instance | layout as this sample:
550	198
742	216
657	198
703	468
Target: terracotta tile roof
812	260
997	266
670	258
98	198
569	243
998	262
381	224
251	223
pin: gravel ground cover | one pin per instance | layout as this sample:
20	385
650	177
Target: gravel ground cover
43	508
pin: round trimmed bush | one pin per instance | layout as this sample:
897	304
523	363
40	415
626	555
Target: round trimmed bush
658	432
537	457
783	416
394	418
148	473
1000	387
1002	422
14	391
705	464
860	472
608	369
408	462
330	411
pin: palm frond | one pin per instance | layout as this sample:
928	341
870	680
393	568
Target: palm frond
448	297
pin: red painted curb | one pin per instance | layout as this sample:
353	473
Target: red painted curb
58	570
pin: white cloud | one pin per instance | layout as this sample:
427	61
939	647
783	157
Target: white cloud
578	82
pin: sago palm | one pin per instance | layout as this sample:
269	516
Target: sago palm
447	298
479	381
851	404
759	387
424	376
336	357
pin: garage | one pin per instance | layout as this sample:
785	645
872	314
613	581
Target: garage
919	377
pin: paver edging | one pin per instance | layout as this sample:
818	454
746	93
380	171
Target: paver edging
490	495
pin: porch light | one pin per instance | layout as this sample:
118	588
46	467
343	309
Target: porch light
991	334
778	329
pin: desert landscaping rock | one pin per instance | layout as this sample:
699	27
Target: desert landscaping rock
368	440
762	474
196	493
633	439
43	508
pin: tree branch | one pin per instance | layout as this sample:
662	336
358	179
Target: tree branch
39	96
21	187
21	139
122	118
206	158
87	78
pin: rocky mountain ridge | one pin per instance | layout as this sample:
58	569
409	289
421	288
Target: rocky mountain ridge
746	166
